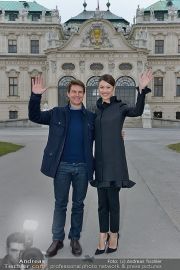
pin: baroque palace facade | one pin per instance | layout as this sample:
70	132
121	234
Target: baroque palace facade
34	41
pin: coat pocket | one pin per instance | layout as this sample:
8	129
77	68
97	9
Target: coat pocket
48	158
57	128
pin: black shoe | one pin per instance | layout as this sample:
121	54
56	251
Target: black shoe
111	250
54	247
76	247
101	251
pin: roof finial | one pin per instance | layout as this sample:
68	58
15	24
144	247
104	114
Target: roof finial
108	5
97	5
84	5
169	3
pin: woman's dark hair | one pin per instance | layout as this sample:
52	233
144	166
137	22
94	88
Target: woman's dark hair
107	78
76	82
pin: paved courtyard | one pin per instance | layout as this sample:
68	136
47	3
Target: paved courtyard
150	212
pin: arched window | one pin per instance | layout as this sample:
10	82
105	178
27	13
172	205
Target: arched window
62	90
92	93
126	90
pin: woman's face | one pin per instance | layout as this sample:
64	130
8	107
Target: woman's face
106	91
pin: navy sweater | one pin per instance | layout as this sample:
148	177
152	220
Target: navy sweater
74	145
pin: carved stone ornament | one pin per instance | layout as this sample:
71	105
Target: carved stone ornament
96	37
148	65
3	68
159	73
34	73
177	73
111	67
82	66
170	67
12	73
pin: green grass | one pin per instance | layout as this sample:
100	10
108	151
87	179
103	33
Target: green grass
6	148
175	147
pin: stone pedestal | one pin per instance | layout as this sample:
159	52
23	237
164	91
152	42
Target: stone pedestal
45	108
146	117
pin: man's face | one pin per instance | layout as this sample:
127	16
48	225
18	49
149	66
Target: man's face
76	95
14	251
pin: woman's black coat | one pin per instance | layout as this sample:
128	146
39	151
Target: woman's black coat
110	158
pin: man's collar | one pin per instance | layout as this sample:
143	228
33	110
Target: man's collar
74	108
82	107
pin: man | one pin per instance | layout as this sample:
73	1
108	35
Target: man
68	158
15	245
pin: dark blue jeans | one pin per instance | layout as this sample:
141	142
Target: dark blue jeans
75	173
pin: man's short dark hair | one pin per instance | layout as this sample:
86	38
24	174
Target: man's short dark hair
16	237
76	82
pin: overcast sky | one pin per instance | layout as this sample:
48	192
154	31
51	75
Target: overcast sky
122	8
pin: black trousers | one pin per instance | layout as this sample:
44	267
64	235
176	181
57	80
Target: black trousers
108	209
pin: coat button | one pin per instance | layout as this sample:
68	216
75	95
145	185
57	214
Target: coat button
50	154
59	123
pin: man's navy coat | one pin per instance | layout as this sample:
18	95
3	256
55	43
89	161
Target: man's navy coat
58	121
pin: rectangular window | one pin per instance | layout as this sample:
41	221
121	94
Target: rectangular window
159	46
159	16
13	16
158	86
35	46
13	114
13	86
178	87
35	17
178	45
177	115
12	46
157	114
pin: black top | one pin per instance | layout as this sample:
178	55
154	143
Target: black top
110	158
102	106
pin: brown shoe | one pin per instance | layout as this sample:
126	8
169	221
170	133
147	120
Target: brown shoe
54	247
76	247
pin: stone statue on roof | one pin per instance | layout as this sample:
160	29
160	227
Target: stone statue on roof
139	11
55	12
172	11
151	12
43	12
23	12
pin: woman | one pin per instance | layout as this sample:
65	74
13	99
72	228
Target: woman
111	171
